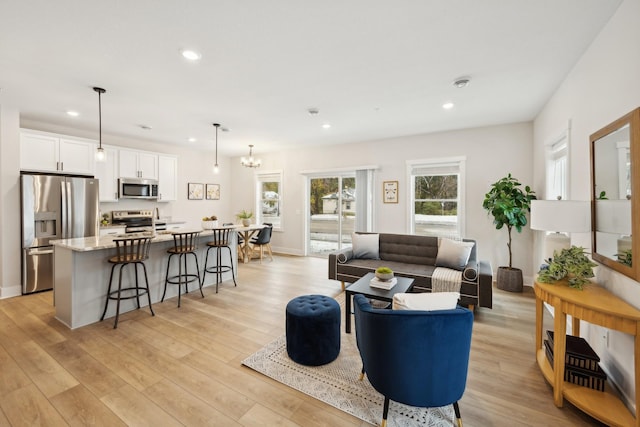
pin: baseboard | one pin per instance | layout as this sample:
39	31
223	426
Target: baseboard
10	292
286	251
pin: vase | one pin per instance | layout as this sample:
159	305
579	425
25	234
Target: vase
384	276
246	222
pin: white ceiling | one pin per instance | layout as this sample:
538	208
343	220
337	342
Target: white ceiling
373	68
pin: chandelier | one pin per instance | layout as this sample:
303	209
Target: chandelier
250	162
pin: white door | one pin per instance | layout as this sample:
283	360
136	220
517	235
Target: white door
148	165
107	174
167	178
38	152
77	156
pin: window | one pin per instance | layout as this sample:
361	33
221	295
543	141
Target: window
436	197
269	198
557	153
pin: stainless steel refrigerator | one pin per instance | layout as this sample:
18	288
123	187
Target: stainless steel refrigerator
53	207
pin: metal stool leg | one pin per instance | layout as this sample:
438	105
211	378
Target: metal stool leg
115	325
106	303
146	280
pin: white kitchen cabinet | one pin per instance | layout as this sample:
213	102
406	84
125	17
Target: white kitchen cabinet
49	152
167	178
107	174
138	164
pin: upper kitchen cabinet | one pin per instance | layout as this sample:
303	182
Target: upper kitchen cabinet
48	152
167	178
138	164
107	174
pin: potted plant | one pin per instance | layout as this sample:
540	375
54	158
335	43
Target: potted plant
571	264
384	273
245	217
509	204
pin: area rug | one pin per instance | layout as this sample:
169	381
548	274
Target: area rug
338	385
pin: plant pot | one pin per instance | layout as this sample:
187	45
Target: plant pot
384	276
246	222
509	279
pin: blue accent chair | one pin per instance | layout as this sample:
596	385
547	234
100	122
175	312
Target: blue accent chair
418	358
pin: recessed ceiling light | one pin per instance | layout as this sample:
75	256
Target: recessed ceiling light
313	111
326	126
192	140
447	105
73	113
191	55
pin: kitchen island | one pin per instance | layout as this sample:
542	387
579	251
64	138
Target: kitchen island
81	275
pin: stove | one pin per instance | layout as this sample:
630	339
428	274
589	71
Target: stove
136	221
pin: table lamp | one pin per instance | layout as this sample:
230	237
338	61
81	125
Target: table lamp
560	216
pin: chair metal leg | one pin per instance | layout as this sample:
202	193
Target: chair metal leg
179	278
456	409
204	273
115	324
385	412
137	290
146	280
106	304
166	280
233	271
198	271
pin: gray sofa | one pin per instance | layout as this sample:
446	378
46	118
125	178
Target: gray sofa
415	257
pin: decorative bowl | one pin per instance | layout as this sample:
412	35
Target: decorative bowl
384	276
209	225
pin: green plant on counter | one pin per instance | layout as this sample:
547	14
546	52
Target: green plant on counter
572	264
243	214
624	257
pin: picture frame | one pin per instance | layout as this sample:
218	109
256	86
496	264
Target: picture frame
390	191
195	191
213	192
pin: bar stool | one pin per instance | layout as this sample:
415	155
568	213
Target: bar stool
129	250
184	243
220	241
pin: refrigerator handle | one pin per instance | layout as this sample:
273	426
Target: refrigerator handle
63	191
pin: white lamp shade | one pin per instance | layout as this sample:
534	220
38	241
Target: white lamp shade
569	216
614	216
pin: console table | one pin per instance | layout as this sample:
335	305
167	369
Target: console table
593	304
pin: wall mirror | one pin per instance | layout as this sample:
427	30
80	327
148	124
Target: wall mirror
615	212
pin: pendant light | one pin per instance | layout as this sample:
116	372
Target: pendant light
215	167
100	156
250	162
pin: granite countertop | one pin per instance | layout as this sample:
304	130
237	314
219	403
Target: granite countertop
94	243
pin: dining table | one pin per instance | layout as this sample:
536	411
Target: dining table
247	232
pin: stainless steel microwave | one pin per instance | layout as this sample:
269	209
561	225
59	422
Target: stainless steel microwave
137	188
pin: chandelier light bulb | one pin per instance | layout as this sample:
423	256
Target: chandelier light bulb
100	156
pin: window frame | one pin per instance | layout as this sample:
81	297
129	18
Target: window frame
438	164
269	176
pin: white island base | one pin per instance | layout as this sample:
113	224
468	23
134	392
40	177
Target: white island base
81	276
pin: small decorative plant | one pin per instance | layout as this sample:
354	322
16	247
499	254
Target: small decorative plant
245	217
572	264
243	214
210	218
384	273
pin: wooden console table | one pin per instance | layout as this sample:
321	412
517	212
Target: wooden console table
595	305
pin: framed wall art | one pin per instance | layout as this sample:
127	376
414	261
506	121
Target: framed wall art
196	191
390	191
213	191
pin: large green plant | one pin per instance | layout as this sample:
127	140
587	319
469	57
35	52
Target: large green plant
508	203
572	264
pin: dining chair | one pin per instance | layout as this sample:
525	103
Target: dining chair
262	240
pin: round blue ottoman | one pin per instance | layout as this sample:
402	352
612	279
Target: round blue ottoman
313	330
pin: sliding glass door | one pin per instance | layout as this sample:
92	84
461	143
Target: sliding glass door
332	213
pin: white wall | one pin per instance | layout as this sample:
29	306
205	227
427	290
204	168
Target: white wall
491	153
602	86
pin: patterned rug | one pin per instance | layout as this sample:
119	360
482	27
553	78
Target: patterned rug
338	385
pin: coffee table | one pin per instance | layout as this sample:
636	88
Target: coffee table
362	286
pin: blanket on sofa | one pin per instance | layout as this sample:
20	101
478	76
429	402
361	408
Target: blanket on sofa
446	280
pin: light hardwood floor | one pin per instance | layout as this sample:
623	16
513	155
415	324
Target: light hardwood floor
182	367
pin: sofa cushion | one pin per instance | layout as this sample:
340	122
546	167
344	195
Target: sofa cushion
426	301
365	246
452	254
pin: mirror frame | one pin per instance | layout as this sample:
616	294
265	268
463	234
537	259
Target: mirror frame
633	120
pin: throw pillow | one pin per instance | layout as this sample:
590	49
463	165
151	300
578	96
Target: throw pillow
452	254
365	246
426	301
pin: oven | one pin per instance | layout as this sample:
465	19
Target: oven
134	221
